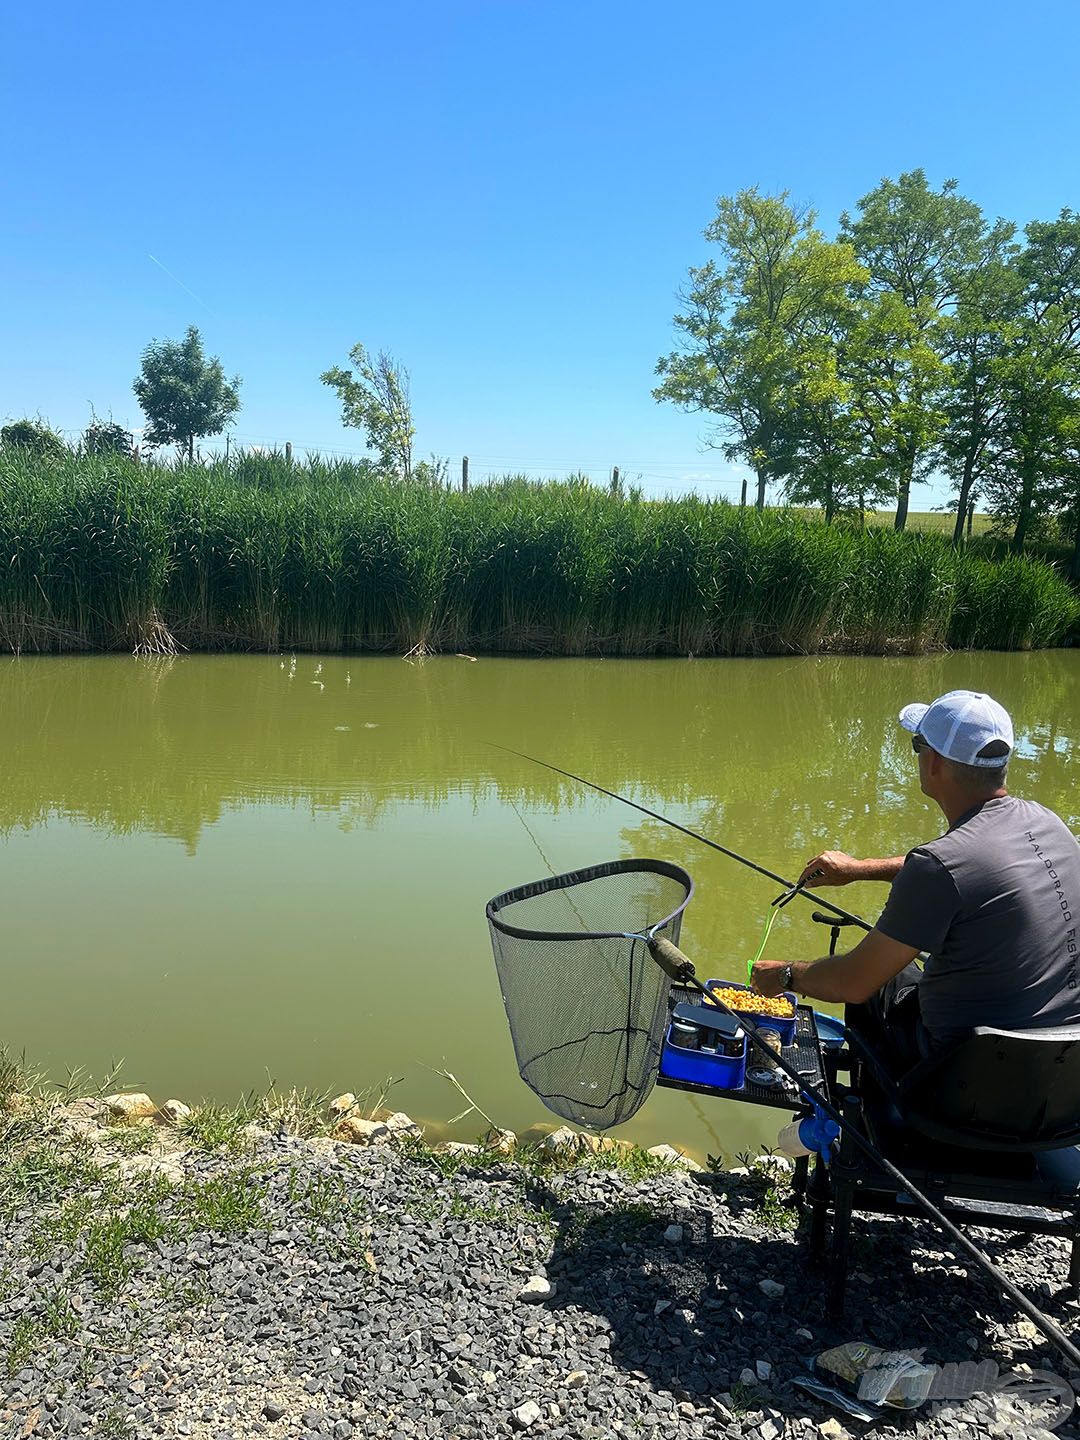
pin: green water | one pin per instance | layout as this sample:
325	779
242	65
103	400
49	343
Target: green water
222	870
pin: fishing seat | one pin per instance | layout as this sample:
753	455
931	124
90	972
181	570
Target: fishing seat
989	1129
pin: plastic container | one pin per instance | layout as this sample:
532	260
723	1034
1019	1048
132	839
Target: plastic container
786	1028
812	1135
703	1067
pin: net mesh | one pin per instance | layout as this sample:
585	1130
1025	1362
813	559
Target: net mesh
586	1003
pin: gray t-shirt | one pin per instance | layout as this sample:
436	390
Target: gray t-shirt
995	902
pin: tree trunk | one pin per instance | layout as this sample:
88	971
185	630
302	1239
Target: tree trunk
191	449
966	482
830	502
1027	496
762	479
903	496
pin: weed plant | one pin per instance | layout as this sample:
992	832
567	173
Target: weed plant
100	553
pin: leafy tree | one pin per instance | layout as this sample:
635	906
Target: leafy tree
747	323
184	395
918	245
33	436
375	399
979	337
1040	376
830	469
106	437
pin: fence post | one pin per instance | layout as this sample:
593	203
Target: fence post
742	497
464	474
288	452
615	477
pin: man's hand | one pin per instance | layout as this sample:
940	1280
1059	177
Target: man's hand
831	867
768	977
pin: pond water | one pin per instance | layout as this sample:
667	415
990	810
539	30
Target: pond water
225	870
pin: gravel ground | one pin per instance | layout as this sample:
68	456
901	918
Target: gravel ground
315	1289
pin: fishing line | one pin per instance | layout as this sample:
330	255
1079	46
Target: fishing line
694	835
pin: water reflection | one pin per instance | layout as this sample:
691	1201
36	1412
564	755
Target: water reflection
259	860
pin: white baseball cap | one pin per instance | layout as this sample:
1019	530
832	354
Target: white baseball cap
961	724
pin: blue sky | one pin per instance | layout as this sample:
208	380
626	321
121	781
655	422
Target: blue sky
505	196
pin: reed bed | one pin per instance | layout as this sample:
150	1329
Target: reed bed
104	554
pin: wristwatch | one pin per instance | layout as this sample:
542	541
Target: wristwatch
787	985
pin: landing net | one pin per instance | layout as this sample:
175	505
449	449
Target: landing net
587	1005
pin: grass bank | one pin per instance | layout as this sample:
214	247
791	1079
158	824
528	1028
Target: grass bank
103	554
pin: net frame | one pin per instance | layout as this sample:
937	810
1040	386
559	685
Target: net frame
633	1035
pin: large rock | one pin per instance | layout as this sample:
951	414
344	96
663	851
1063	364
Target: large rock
671	1156
175	1112
399	1123
342	1105
129	1109
459	1147
536	1289
563	1141
503	1142
356	1131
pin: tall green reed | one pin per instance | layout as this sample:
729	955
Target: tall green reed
262	553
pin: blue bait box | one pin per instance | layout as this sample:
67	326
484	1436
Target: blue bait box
705	1067
785	1028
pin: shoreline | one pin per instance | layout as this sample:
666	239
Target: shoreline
213	1275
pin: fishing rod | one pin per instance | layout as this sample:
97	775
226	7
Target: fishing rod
694	835
681	969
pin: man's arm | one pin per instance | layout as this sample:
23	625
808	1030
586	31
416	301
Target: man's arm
833	867
839	979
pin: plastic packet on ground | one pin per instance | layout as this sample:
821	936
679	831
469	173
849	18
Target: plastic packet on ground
897	1378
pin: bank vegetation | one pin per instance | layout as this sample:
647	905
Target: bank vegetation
101	553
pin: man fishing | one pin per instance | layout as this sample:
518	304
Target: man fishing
994	903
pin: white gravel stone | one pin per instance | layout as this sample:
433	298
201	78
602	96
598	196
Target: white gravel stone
764	1369
832	1430
576	1379
527	1414
673	1234
747	1376
772	1288
803	1334
536	1289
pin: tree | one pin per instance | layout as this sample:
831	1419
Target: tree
918	245
34	437
979	337
1039	375
183	395
829	468
376	400
106	437
747	322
